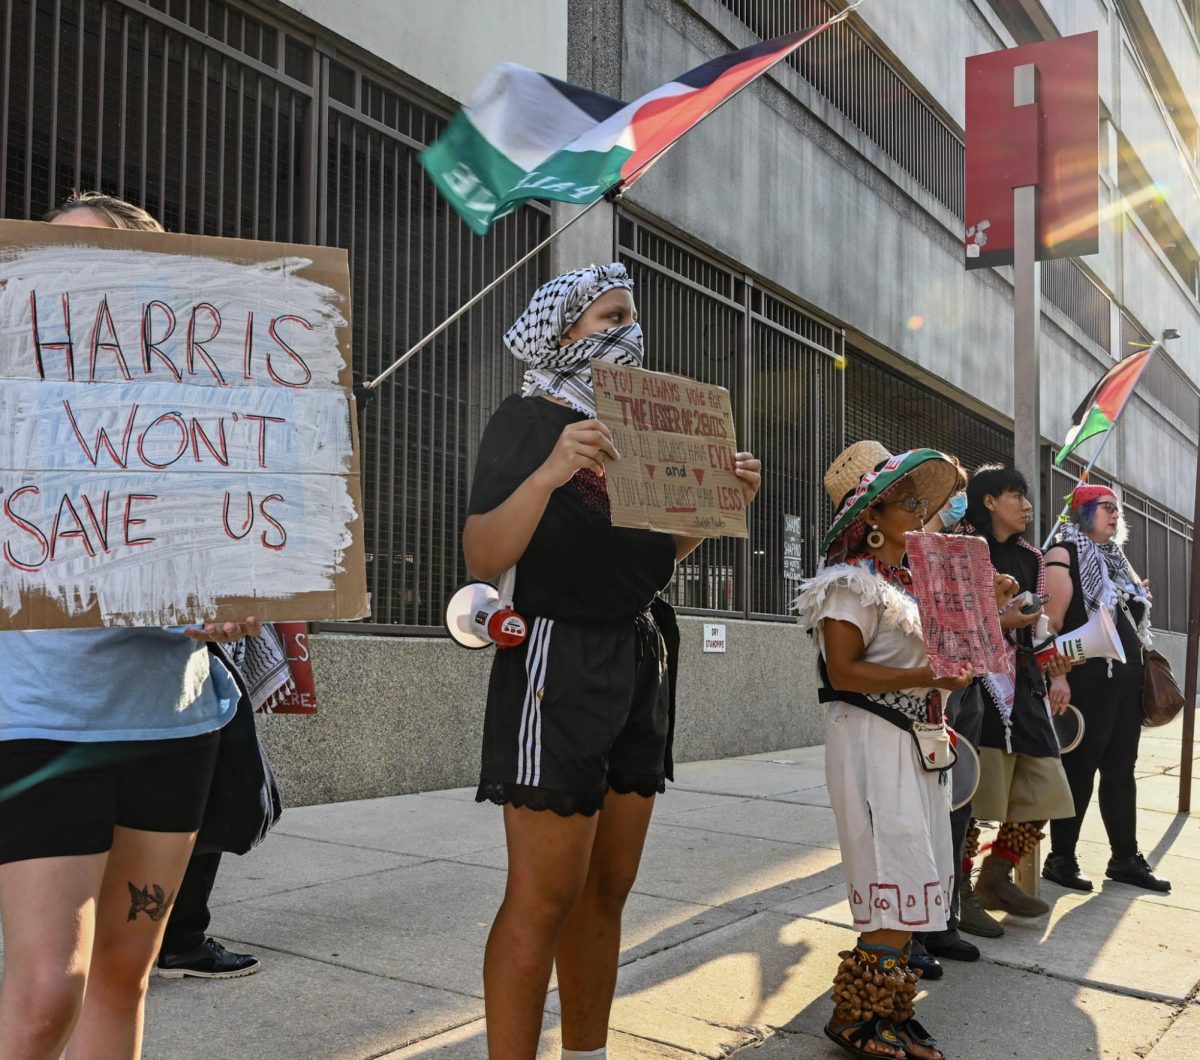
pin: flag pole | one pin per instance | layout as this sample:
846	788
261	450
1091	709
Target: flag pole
1157	344
479	296
1193	650
613	193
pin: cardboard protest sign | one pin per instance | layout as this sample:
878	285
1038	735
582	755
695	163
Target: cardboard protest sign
177	443
952	577
677	444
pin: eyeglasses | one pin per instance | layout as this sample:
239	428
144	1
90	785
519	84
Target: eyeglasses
912	504
1112	509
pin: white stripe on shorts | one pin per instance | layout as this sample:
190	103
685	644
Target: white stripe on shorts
529	734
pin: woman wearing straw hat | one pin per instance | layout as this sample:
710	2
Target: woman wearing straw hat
892	815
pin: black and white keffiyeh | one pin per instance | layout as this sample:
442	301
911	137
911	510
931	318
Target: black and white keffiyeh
1106	577
263	665
564	371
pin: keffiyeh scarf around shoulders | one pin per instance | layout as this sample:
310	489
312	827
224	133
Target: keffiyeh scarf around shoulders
565	371
1106	577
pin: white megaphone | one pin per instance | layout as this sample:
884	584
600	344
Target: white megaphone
1097	638
480	614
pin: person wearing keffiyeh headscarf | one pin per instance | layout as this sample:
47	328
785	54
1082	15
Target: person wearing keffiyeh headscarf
1086	570
537	338
579	717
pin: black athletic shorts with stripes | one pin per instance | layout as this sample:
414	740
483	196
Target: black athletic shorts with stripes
579	708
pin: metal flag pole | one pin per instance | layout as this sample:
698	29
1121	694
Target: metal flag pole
1157	344
612	195
1193	651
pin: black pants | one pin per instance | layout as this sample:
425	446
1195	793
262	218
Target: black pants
188	922
1112	713
964	713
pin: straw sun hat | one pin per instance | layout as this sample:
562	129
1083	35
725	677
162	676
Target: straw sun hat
865	471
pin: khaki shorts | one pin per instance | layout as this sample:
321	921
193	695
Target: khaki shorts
1016	787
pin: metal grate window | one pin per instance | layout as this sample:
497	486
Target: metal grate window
223	121
1068	287
1164	381
863	84
709	322
903	414
843	66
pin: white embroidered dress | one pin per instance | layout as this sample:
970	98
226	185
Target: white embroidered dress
893	817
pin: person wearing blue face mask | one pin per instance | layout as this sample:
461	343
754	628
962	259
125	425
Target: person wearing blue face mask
577	728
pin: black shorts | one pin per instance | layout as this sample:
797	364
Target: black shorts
60	799
577	709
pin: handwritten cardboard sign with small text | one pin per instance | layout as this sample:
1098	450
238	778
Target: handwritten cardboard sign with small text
177	440
952	577
677	444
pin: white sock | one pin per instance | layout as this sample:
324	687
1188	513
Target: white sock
586	1054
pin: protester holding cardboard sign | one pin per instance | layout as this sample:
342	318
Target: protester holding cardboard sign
887	750
1021	782
108	739
580	715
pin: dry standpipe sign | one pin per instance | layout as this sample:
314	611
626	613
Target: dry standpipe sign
176	434
677	444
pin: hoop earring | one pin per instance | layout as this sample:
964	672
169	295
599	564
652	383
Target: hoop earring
875	538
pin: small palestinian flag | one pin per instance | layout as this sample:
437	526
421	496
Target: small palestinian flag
1099	410
526	135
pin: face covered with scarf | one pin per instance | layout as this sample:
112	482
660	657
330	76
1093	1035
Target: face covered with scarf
578	317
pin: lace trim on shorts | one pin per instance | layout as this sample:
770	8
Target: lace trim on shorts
563	803
645	784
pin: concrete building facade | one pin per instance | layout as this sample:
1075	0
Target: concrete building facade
803	246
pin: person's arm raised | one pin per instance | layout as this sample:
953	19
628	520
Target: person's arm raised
493	541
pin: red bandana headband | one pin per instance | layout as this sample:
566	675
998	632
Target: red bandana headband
1087	494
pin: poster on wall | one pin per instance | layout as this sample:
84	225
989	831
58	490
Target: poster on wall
678	445
793	549
177	436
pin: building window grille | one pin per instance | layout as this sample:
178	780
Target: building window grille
221	120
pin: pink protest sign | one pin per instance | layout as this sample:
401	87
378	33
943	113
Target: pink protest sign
952	577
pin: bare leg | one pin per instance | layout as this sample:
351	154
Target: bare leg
590	944
143	873
547	865
48	908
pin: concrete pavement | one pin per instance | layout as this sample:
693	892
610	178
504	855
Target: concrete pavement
370	918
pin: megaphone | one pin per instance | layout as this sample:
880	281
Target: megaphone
964	774
1097	638
480	614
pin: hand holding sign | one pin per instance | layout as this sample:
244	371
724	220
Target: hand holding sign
680	471
956	595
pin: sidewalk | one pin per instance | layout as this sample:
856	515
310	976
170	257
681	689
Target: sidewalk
370	918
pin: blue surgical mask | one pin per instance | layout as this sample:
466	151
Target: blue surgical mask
954	511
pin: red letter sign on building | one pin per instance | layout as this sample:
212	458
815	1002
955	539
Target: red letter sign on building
1003	145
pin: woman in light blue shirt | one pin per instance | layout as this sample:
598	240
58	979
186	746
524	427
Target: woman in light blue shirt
108	738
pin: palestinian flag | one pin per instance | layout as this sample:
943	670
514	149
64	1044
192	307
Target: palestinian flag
525	135
1100	409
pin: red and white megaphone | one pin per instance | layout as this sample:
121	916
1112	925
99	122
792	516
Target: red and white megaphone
480	614
1097	638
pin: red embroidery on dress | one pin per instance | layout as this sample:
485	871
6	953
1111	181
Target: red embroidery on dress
593	491
903	902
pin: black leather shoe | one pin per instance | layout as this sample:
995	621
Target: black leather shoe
951	948
1135	870
927	964
209	960
1063	869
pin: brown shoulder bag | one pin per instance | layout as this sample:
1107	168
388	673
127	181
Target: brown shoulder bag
1161	698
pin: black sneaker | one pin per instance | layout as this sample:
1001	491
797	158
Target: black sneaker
1135	870
209	960
1063	869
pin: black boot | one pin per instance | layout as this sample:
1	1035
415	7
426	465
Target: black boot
1135	870
1063	869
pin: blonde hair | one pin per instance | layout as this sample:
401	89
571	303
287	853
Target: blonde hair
117	213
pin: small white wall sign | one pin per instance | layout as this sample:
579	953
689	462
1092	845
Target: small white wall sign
714	637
